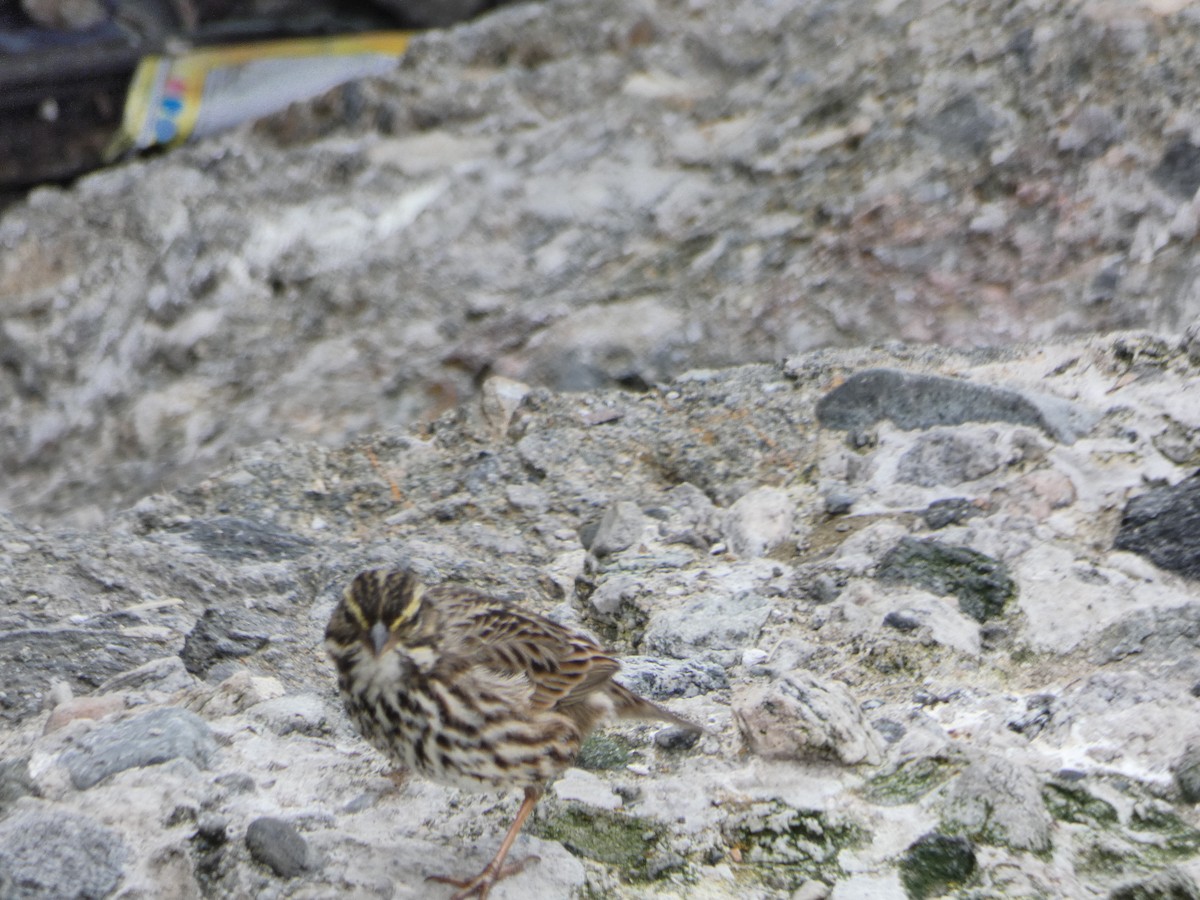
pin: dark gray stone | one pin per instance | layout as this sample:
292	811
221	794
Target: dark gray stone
982	584
839	502
1187	773
237	539
1178	172
890	729
676	738
1039	712
901	621
146	740
52	855
32	660
936	863
950	511
914	401
1163	525
224	634
277	845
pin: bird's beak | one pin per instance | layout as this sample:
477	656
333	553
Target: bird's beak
379	637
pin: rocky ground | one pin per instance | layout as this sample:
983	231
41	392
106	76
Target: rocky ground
887	582
936	605
595	194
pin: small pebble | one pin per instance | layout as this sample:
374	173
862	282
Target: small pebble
676	738
277	845
838	503
901	621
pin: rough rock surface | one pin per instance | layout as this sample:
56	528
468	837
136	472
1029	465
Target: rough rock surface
605	193
1048	746
233	375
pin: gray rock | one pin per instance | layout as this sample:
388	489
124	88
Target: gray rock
48	854
1162	634
1187	772
238	539
167	674
613	596
663	679
710	621
1091	131
839	502
620	528
223	634
301	713
692	518
149	739
1170	884
801	716
499	400
758	522
31	660
1163	525
945	457
963	126
995	801
913	401
277	845
15	782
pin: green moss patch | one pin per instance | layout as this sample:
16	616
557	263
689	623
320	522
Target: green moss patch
981	584
627	843
603	751
1069	803
910	781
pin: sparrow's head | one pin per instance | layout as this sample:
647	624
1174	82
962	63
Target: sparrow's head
379	607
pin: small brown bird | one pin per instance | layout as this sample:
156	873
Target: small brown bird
472	691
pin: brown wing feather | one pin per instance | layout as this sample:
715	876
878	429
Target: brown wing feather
563	667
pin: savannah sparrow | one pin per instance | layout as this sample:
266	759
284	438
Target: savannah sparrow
472	691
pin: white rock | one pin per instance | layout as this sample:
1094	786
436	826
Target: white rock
584	787
752	656
758	521
869	887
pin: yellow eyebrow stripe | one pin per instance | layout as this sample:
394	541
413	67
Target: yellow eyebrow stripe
410	608
356	610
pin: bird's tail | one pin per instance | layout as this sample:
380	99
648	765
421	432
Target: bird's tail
629	705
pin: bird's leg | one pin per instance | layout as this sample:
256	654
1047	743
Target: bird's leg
496	870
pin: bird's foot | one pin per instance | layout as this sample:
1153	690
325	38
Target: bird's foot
479	886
